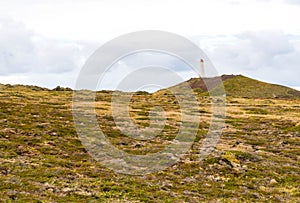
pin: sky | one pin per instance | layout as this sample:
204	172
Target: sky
46	43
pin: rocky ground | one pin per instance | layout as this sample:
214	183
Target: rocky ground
43	160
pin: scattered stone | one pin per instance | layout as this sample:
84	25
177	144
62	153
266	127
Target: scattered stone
236	143
190	180
67	189
273	182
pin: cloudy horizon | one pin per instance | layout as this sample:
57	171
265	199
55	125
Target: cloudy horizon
46	43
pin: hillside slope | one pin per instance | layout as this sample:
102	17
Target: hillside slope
42	158
241	86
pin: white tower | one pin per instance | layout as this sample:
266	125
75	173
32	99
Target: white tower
201	72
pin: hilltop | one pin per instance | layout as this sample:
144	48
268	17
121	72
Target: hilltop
242	87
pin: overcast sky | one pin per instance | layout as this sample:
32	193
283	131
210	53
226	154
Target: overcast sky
46	42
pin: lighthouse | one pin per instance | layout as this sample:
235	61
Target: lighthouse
201	71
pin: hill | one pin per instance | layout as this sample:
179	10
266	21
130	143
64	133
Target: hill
42	158
242	87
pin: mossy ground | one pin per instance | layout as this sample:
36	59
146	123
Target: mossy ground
43	160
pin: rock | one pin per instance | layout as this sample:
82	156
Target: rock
273	182
66	189
190	180
207	185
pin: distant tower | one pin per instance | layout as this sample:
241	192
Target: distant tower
201	72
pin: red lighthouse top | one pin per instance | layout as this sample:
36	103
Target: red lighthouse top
201	60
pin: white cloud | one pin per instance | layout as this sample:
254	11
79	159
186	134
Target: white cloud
267	55
23	51
105	19
43	42
293	1
154	68
16	50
